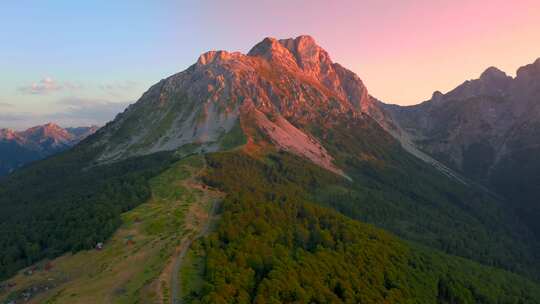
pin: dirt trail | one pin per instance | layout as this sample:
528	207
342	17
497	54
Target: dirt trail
176	297
201	224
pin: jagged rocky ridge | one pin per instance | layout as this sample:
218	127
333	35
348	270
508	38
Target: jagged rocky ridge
485	113
488	129
280	86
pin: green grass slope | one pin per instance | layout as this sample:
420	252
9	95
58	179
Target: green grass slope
130	267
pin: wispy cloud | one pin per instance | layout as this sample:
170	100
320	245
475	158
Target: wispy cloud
10	117
48	85
76	112
44	86
91	109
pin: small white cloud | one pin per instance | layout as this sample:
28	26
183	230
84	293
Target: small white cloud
44	86
48	85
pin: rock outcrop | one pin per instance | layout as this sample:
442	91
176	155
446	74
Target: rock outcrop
488	129
287	85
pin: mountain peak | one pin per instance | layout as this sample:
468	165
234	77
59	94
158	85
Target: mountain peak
267	44
493	73
303	55
302	51
307	52
492	82
7	134
216	56
272	50
291	44
299	45
49	131
437	96
529	72
51	127
304	39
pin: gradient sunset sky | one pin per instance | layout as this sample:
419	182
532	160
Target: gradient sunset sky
78	63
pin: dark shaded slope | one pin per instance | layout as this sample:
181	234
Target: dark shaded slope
488	129
396	191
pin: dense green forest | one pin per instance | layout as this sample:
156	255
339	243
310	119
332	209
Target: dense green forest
396	191
66	204
517	177
272	245
285	203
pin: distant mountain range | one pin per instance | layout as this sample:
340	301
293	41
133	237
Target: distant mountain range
18	148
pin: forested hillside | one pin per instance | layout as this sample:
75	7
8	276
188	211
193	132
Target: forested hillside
394	190
274	245
66	204
397	191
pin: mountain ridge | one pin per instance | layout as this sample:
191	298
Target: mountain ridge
20	147
486	129
492	85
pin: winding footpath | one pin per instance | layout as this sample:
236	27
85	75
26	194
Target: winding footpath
214	198
176	297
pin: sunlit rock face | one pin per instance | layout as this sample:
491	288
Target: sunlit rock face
281	86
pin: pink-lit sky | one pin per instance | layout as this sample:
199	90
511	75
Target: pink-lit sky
80	63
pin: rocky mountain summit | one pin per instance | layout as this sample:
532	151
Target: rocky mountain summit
281	88
20	147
